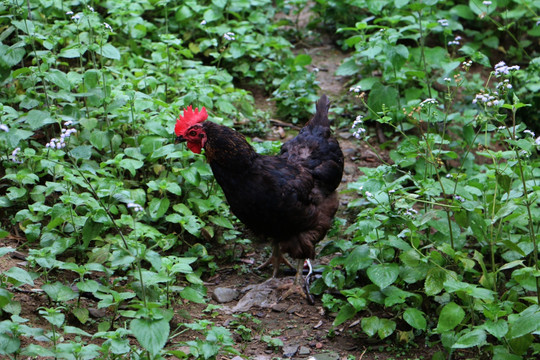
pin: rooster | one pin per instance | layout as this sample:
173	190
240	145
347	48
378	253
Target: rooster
290	198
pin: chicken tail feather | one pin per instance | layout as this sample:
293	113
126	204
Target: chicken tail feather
321	114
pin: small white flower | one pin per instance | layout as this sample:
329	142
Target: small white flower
428	101
107	26
14	155
316	69
411	212
443	22
447	79
368	194
356	89
68	123
4	127
135	207
359	133
486	2
229	36
527	131
90	8
69	12
359	120
76	17
459	198
203	22
537	141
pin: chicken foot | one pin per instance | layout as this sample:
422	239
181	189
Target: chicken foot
299	285
275	259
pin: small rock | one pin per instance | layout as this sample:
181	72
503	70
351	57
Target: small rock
326	356
294	308
97	313
279	307
237	358
290	350
303	350
224	295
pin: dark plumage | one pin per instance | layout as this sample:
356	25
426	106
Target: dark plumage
289	197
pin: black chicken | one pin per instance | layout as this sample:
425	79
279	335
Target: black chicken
290	197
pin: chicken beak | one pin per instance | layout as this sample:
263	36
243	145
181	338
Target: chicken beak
180	139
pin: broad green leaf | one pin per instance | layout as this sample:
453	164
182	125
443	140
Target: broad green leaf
37	118
82	152
451	316
476	337
11	56
415	318
59	292
192	295
20	275
109	51
345	313
527	322
221	221
302	60
348	68
81	314
383	275
382	96
9	342
158	207
434	281
131	165
152	334
358	259
497	328
58	78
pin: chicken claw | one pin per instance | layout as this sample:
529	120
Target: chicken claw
295	286
275	259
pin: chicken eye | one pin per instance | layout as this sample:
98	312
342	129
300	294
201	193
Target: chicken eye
192	133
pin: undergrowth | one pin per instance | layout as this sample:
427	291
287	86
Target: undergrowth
439	243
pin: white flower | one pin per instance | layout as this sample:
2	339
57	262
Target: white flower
355	89
14	155
447	79
486	2
368	194
107	26
69	12
527	131
76	17
4	127
411	212
90	8
135	207
459	198
537	141
502	69
443	22
359	120
428	101
359	133
203	22
229	36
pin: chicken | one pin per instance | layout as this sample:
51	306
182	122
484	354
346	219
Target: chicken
290	198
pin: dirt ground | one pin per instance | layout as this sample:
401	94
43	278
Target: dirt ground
305	330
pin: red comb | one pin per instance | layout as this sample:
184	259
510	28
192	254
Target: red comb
189	119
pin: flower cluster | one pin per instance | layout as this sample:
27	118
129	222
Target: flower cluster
505	85
360	131
443	22
4	127
428	101
411	212
66	133
229	36
75	17
136	207
466	65
459	198
456	41
527	131
355	89
486	2
107	26
14	156
502	69
203	22
487	99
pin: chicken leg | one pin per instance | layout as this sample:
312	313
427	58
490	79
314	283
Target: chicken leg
299	285
275	259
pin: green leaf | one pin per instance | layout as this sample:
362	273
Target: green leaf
81	314
415	318
348	68
37	118
358	259
374	325
11	56
476	337
345	313
131	165
527	322
9	342
383	275
221	221
434	281
20	275
109	51
192	295
58	78
158	207
302	60
90	231
451	316
382	96
497	328
151	334
82	152
59	292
